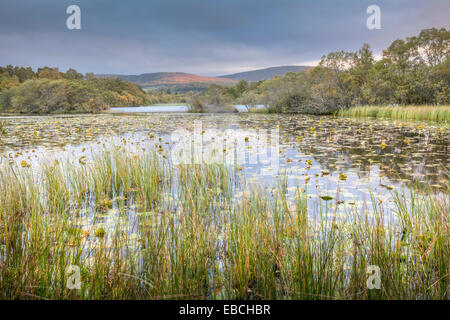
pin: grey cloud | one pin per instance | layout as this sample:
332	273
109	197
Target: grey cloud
203	36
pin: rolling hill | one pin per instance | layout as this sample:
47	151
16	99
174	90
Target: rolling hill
264	74
182	82
175	81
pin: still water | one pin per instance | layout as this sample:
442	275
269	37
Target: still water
344	161
146	109
171	108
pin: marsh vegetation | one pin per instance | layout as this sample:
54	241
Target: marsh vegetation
139	228
102	193
424	113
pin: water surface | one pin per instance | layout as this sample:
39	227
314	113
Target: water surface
346	160
145	109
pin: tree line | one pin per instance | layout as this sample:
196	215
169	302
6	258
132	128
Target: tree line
413	71
47	90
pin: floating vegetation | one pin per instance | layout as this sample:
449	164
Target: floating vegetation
415	154
102	192
100	233
171	228
24	164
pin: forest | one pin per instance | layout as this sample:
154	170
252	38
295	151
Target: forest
48	90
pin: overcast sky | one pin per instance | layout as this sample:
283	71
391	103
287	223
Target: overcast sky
208	37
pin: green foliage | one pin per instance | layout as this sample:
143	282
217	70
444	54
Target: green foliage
413	71
424	113
50	96
196	104
162	96
258	247
7	81
49	91
215	99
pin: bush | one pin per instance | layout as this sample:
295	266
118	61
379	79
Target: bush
63	95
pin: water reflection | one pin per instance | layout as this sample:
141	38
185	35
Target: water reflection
145	109
375	155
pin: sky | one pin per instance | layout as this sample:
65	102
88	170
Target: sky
206	37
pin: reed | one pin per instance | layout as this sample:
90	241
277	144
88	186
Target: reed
440	114
140	228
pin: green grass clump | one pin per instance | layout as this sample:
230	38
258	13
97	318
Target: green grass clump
440	114
141	228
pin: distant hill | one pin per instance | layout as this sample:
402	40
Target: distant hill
175	81
264	74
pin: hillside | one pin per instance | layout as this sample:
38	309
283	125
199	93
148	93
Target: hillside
175	81
264	74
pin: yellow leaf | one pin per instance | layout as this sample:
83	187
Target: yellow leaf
25	164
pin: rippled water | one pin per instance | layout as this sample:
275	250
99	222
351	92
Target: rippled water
346	160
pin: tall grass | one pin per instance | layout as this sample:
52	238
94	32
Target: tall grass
265	110
425	113
181	232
